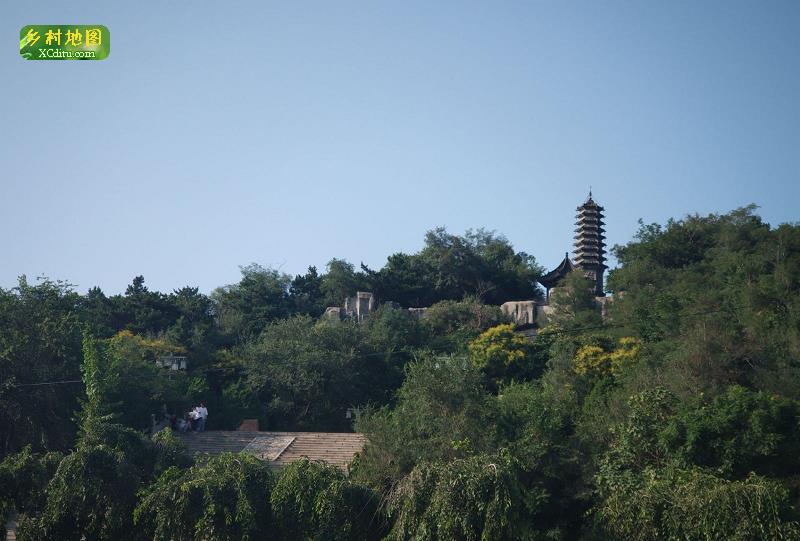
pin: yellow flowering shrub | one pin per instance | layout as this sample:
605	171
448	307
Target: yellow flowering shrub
133	346
499	348
595	360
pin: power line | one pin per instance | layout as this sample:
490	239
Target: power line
48	383
67	381
618	325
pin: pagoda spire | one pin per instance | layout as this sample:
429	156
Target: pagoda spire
590	254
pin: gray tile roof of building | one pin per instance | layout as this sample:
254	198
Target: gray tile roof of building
279	448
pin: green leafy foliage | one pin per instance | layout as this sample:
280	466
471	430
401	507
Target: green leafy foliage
306	293
405	279
315	501
341	281
169	451
503	354
671	503
573	303
261	296
137	387
225	499
307	373
478	498
98	376
40	340
535	427
651	488
737	432
451	325
442	413
23	479
480	264
673	415
717	296
91	496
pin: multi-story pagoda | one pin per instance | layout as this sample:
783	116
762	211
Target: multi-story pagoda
590	254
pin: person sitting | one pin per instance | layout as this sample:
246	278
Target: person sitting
194	415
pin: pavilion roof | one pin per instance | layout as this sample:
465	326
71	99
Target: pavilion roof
552	278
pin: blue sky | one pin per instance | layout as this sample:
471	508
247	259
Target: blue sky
222	133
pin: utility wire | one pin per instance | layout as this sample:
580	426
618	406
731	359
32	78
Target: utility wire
48	383
141	376
617	325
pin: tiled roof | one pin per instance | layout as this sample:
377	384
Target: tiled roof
552	278
279	448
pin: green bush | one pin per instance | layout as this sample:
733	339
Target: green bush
478	498
91	496
315	501
739	431
225	499
442	413
677	504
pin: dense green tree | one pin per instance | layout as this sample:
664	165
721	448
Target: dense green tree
23	480
479	263
92	493
40	342
91	496
477	498
450	267
260	297
102	314
224	499
308	373
738	432
341	281
137	387
392	330
535	425
670	503
99	376
573	303
652	483
404	279
236	402
315	501
145	311
306	293
451	325
194	328
718	297
442	413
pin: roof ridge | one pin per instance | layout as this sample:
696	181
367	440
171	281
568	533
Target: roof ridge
283	449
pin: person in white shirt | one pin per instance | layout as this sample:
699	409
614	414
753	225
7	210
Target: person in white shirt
194	419
202	415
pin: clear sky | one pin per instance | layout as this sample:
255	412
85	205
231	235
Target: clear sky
222	133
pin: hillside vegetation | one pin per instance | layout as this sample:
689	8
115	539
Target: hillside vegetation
674	417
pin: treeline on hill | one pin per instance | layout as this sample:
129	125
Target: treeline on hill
675	417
